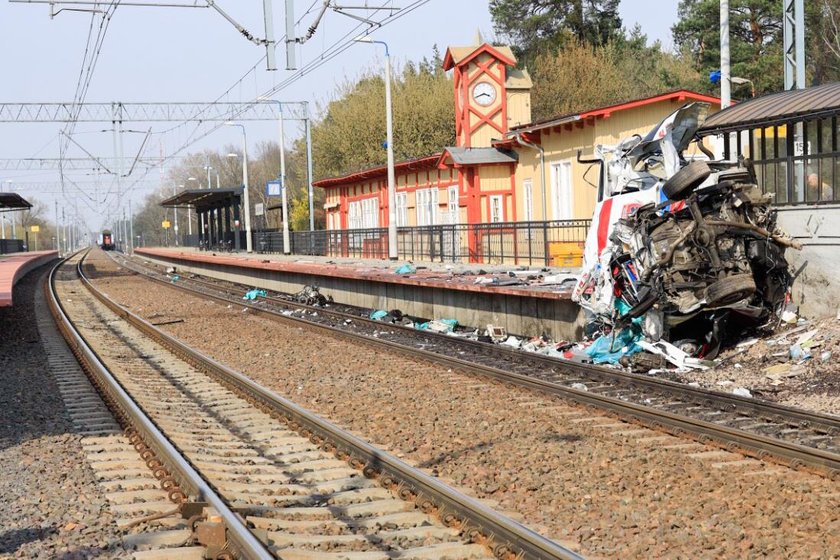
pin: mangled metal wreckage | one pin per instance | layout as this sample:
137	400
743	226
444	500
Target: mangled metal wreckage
683	251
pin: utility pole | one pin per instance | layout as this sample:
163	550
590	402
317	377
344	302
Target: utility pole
309	167
131	224
794	43
725	83
285	199
291	63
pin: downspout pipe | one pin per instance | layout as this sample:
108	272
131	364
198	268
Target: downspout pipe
541	150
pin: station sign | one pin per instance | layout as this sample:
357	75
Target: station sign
274	188
36	229
259	209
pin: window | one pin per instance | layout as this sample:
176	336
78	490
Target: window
497	212
427	207
363	214
561	188
452	192
402	209
528	199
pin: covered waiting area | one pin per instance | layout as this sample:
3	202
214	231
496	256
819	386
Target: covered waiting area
10	202
792	138
218	212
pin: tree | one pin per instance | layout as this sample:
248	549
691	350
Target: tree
580	77
351	133
539	26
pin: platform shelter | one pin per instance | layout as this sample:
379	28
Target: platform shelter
218	212
11	202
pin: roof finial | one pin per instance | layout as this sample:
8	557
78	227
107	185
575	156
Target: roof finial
479	40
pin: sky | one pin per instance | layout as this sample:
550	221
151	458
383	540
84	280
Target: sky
178	54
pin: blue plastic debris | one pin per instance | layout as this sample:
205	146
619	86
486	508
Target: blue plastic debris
254	294
174	278
378	315
407	268
610	348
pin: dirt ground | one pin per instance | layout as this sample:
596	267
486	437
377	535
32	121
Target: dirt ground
766	369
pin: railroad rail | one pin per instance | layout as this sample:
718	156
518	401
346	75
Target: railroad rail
792	436
274	473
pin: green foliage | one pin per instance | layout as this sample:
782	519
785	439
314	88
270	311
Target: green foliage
755	40
351	135
580	76
540	26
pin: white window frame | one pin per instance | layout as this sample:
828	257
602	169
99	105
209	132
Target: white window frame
363	214
562	191
402	209
354	215
427	207
454	209
497	209
528	199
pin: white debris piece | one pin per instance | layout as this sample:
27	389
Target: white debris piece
741	392
513	342
673	354
579	387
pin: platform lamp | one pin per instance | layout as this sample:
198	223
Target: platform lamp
246	200
389	141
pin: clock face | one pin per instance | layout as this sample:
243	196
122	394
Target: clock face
484	94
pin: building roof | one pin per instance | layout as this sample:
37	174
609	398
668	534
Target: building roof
775	107
460	157
604	112
426	162
202	199
518	79
455	56
13	201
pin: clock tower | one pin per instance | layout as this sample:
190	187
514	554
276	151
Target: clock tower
491	95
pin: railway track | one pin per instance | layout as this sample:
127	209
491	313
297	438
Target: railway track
798	438
255	475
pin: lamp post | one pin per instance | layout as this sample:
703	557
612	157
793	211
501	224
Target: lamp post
285	201
175	211
738	81
189	213
246	200
389	139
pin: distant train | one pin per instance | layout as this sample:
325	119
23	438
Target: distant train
107	240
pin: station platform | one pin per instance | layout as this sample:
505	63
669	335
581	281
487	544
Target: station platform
15	266
474	295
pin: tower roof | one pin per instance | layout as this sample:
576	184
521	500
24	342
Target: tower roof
456	56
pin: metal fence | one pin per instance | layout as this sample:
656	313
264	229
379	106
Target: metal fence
554	243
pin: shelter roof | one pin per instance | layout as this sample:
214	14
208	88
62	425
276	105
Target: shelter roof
426	162
679	95
461	157
13	201
775	107
455	56
202	198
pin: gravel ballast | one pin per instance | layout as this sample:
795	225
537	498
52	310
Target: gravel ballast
50	503
607	488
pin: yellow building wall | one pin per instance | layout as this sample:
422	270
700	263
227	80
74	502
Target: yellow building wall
494	178
518	108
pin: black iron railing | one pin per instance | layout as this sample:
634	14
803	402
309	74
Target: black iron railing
554	243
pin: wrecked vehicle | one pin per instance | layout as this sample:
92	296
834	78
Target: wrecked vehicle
682	248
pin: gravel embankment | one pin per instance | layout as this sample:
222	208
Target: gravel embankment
607	490
50	503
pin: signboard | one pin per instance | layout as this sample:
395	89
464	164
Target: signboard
165	224
273	188
36	229
259	209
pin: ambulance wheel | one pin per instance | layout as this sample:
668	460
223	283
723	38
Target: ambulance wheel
686	180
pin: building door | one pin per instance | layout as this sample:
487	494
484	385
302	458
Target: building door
451	237
562	199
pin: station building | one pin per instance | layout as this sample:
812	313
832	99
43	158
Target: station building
494	179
